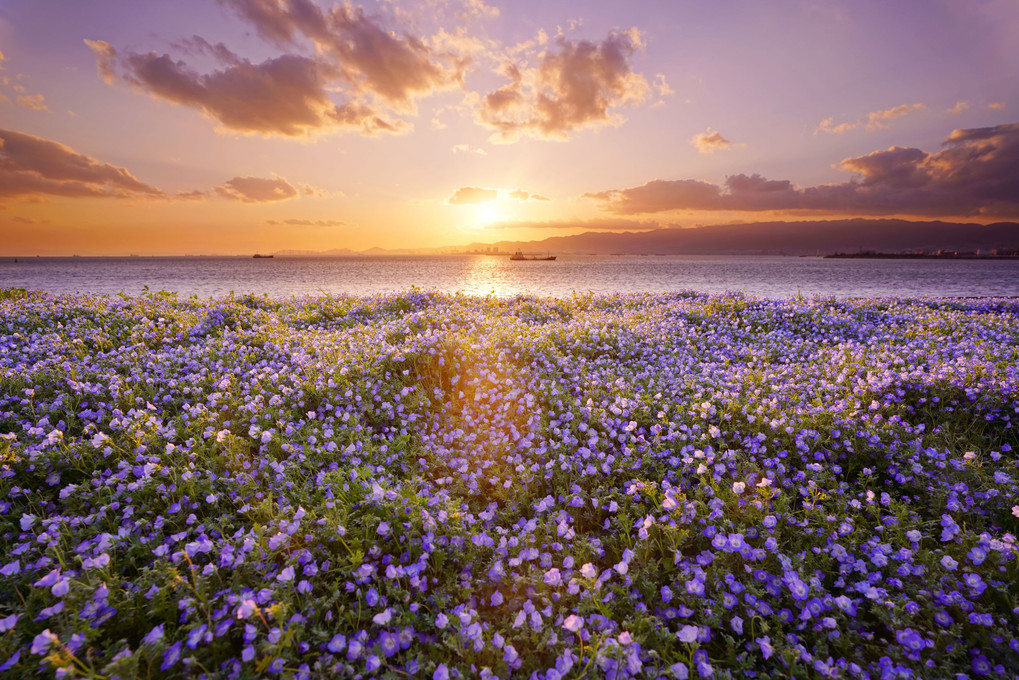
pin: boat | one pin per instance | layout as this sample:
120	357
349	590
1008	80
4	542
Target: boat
259	256
519	256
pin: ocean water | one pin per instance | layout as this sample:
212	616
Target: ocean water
759	276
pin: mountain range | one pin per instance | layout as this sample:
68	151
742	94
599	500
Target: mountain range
821	237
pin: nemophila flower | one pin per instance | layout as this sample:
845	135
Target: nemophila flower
688	633
383	617
337	643
981	666
154	635
589	571
553	577
8	622
441	672
948	563
738	487
573	623
171	656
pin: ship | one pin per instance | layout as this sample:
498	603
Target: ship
259	256
519	256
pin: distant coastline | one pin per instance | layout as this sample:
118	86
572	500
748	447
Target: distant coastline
871	255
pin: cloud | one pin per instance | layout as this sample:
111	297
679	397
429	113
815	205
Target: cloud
285	95
257	189
312	192
959	107
710	142
106	58
306	223
608	224
522	195
33	166
876	120
470	195
997	106
376	70
880	119
36	102
369	56
466	148
975	173
194	195
575	85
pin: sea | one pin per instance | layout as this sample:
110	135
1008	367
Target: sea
758	276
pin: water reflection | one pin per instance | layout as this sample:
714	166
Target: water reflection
497	275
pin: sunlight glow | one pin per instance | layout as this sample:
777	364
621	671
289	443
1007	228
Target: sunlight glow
490	212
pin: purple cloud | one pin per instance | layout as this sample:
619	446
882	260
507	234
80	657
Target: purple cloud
975	173
33	166
257	189
576	85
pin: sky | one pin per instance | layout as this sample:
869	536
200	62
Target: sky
240	126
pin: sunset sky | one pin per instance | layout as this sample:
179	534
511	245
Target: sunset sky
240	126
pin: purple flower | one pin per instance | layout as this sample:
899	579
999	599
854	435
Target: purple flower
154	636
171	656
49	579
337	644
41	643
573	623
688	633
8	622
553	578
910	639
441	673
948	563
797	587
389	643
981	666
247	608
9	664
766	648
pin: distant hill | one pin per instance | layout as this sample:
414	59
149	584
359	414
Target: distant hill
789	238
815	237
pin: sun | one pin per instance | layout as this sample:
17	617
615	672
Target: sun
489	212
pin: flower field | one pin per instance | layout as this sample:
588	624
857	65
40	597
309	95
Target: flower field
439	486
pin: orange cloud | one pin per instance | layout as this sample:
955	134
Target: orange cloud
257	189
367	55
522	195
286	95
33	166
576	85
710	142
976	173
375	69
472	195
875	120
